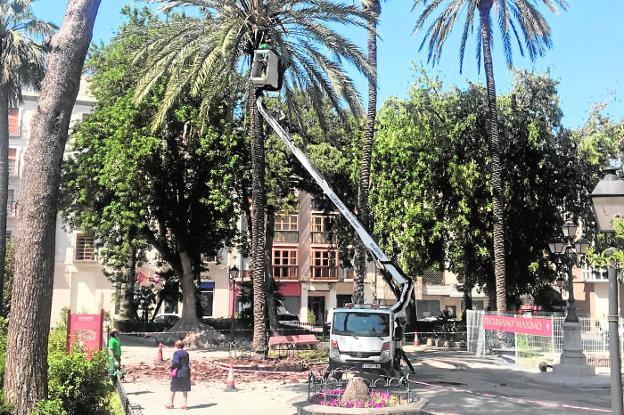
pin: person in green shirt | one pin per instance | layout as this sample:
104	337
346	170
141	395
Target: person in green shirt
114	356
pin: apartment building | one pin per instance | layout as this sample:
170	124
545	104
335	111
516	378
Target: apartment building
79	282
311	276
591	294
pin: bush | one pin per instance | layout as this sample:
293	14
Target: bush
81	384
57	342
50	407
5	408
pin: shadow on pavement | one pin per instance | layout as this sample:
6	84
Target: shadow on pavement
203	405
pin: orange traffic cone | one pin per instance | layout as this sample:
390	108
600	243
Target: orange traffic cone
229	385
159	353
416	341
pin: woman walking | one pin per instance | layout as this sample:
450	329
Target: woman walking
180	372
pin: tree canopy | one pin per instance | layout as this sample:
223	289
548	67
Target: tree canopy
171	189
430	192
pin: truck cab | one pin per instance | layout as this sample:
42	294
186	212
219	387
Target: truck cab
365	338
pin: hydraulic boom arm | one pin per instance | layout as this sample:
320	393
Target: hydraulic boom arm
397	276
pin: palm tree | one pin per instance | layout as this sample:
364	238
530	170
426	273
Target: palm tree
518	20
21	64
374	9
200	55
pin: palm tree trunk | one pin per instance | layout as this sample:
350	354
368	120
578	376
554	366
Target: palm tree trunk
4	182
270	282
258	197
497	186
25	379
367	151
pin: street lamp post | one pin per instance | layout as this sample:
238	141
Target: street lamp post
608	202
232	275
569	252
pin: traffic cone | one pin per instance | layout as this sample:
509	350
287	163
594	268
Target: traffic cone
416	341
159	353
229	385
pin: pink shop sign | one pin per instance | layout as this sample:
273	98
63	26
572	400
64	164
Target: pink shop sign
521	325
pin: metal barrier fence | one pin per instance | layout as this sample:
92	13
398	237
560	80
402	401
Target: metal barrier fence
529	350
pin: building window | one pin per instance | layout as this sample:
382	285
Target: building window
324	264
428	308
320	231
342	299
206	297
11	203
286	229
12	161
285	264
14	129
85	249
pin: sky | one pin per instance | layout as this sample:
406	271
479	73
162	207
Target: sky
587	57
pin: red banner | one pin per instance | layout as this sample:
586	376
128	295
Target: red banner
521	325
85	330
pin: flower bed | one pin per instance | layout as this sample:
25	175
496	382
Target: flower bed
377	399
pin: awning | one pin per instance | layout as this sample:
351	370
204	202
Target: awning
290	289
207	285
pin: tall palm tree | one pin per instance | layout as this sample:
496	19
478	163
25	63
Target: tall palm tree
200	55
518	20
21	64
374	9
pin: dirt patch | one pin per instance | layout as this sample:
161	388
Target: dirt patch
286	370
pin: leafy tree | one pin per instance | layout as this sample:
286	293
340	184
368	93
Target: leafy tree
200	54
517	19
171	189
431	197
21	64
25	380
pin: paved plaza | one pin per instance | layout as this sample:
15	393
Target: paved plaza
452	383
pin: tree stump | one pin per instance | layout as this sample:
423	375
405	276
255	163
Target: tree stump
356	390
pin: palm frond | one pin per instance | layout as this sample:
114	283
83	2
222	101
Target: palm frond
517	19
196	55
22	60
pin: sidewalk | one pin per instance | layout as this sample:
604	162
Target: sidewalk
453	382
270	399
460	383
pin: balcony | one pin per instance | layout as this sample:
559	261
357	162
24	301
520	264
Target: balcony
11	208
288	237
590	274
324	273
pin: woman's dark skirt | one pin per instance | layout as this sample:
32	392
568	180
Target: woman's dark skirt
181	384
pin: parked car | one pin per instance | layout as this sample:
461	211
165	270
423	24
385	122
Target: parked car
167	320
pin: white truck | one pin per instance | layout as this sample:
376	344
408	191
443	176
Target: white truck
367	338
